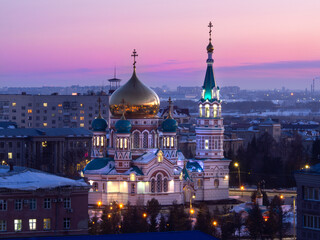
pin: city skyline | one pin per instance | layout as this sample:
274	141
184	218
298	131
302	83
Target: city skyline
63	43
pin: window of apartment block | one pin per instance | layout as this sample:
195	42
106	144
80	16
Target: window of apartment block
3	225
14	110
67	202
23	108
3	205
1	144
29	104
47	203
17	225
66	223
29	110
18	204
46	223
14	104
45	104
45	124
33	204
18	155
10	144
32	224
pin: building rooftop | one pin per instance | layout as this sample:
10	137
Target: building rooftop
21	178
314	170
49	132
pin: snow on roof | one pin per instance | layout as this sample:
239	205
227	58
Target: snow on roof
30	179
147	157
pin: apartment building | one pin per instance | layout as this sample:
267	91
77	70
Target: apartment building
52	111
35	203
62	151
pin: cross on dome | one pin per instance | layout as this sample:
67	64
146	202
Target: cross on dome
210	26
134	55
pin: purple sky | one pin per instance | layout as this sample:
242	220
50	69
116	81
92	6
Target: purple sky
258	44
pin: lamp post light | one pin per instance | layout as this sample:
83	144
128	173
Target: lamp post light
238	166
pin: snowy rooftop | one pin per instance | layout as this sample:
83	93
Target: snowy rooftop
50	132
21	178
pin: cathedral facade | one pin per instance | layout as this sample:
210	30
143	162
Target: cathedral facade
142	160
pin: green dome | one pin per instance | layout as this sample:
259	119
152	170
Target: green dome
97	163
123	126
169	125
99	124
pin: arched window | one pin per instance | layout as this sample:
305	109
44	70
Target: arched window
207	110
95	187
216	183
200	110
165	185
199	183
152	140
159	183
136	140
153	185
214	110
145	140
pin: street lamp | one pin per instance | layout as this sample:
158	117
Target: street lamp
191	211
238	166
144	215
99	203
215	223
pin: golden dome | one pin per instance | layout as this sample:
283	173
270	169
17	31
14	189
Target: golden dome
138	100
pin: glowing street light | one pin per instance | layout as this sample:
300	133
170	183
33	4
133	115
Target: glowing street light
242	188
99	203
281	196
191	211
120	205
238	166
144	215
306	166
215	223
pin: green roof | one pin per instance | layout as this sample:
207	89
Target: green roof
194	166
97	163
209	83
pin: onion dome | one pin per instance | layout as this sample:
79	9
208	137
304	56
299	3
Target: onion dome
169	125
123	125
99	124
137	100
210	47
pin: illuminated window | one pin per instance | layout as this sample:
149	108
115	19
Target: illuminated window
206	144
164	141
46	223
200	111
45	104
81	104
125	143
98	141
45	124
44	144
82	112
207	111
32	224
171	141
14	104
78	167
168	141
214	110
29	110
132	177
52	115
121	140
102	141
203	91
17	225
81	124
160	157
59	105
74	118
9	155
81	118
59	111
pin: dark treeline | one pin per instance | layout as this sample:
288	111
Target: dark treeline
219	223
273	163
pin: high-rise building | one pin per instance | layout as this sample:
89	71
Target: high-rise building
51	111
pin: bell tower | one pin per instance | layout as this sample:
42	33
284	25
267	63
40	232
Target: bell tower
210	129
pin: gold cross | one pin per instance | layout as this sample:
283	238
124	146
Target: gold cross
134	55
210	26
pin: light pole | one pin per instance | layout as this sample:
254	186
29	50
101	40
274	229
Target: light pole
238	166
294	217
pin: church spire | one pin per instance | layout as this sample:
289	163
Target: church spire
209	81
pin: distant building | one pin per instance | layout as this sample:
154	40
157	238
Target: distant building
272	128
55	150
51	111
181	115
35	203
308	202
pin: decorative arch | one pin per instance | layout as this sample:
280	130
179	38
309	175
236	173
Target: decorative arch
95	186
136	139
145	139
216	183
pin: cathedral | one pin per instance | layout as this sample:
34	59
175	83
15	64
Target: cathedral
141	161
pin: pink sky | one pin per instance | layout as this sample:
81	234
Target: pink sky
258	44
